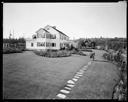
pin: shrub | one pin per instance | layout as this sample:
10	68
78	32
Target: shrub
50	53
74	51
11	50
88	50
81	53
121	92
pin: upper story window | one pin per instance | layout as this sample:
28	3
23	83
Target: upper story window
43	35
65	38
32	44
60	36
40	35
50	36
54	36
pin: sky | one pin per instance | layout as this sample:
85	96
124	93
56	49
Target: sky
77	20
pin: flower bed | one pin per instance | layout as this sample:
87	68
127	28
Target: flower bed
60	53
88	50
11	50
77	52
120	89
50	53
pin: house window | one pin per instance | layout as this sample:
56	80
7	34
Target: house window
48	36
53	44
60	36
43	35
48	44
40	43
32	44
54	36
61	45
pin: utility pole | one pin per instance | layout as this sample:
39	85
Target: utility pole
13	33
10	35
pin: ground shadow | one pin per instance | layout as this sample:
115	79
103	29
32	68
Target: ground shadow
101	60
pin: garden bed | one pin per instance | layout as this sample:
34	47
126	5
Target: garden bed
120	89
59	53
88	50
50	53
12	50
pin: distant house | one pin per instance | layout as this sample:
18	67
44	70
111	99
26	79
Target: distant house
48	37
73	43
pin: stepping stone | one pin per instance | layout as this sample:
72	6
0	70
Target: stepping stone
81	71
70	85
85	69
61	96
74	79
67	88
70	82
79	75
76	76
65	91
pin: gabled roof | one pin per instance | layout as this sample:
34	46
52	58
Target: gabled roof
39	29
42	29
49	32
60	31
46	30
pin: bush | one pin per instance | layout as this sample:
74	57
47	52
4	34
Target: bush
74	51
119	93
11	50
88	50
81	53
50	53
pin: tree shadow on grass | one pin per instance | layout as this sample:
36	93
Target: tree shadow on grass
101	60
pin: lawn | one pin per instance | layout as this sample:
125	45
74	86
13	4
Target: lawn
29	76
97	82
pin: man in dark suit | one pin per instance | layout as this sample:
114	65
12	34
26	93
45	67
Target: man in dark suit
92	55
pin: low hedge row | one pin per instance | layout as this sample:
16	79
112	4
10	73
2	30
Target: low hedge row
51	53
88	50
120	89
11	50
60	53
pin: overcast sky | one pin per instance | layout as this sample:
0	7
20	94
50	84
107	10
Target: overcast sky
77	20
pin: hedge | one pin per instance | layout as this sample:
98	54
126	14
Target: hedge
88	50
120	89
50	53
12	50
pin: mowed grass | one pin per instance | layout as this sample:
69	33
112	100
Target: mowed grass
97	82
29	76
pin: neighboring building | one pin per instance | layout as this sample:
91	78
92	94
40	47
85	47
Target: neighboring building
73	43
5	45
47	38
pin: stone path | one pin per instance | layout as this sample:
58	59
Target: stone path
71	83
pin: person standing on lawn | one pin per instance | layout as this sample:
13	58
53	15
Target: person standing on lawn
92	55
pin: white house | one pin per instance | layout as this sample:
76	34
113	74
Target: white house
47	38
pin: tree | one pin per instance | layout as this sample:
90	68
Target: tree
93	44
